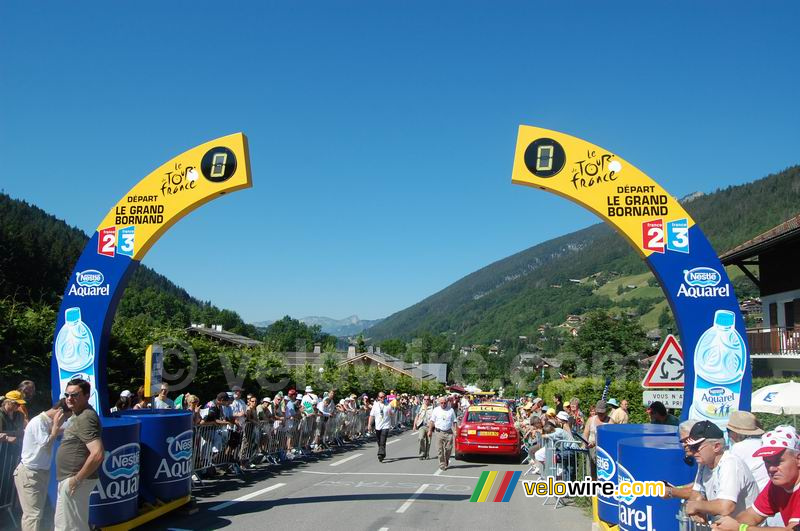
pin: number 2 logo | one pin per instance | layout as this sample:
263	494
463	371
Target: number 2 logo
653	235
107	241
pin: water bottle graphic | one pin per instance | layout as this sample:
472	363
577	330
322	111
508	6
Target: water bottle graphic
74	350
719	365
74	343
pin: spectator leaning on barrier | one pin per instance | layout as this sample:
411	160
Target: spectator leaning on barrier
77	460
12	421
124	401
780	450
193	405
309	402
658	414
237	405
683	492
263	411
32	475
723	485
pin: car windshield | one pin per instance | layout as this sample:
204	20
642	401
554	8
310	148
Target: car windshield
495	417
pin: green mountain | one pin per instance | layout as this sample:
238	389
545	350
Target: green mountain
513	296
38	252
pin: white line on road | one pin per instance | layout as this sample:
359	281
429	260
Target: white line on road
392	442
346	459
246	497
383	474
383	529
438	472
413	497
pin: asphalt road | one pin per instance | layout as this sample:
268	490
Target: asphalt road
350	489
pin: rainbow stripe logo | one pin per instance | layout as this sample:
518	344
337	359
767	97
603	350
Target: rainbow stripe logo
502	489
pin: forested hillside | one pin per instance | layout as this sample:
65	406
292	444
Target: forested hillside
511	297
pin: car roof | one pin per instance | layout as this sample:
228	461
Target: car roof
491	406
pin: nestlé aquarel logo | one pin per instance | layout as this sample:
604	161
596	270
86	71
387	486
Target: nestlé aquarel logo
179	466
703	282
121	469
89	283
605	466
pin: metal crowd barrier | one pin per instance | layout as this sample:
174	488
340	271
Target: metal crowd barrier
565	460
685	522
9	458
233	446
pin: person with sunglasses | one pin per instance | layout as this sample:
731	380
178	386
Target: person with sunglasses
780	450
77	459
724	484
683	492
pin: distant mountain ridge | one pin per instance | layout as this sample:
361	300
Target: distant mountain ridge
348	326
513	296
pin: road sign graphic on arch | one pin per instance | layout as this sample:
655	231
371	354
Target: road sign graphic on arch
667	369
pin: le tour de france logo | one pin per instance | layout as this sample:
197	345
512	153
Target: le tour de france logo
179	465
121	470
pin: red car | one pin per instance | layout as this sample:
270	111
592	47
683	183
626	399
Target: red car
487	429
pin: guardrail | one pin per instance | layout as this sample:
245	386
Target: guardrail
685	522
237	446
564	460
9	459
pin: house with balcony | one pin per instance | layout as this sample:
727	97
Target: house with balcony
774	344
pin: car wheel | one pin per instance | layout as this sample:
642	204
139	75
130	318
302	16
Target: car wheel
459	456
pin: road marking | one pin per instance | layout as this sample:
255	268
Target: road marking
383	474
438	472
413	497
346	459
392	442
246	497
383	529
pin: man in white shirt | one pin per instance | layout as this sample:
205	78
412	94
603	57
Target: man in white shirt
32	475
381	418
724	486
443	421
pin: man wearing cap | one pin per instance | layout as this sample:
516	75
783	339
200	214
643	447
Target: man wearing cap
590	432
12	421
723	485
262	411
238	406
780	450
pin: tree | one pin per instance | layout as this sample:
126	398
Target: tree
394	347
604	339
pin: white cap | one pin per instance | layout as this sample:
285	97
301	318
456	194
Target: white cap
309	389
125	394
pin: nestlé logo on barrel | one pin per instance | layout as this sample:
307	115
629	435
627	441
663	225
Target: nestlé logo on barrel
179	464
121	470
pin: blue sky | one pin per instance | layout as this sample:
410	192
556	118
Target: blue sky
381	133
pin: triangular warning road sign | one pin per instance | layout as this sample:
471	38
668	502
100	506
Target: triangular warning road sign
667	369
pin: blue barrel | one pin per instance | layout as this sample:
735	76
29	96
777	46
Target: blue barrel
608	435
651	459
167	442
116	497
